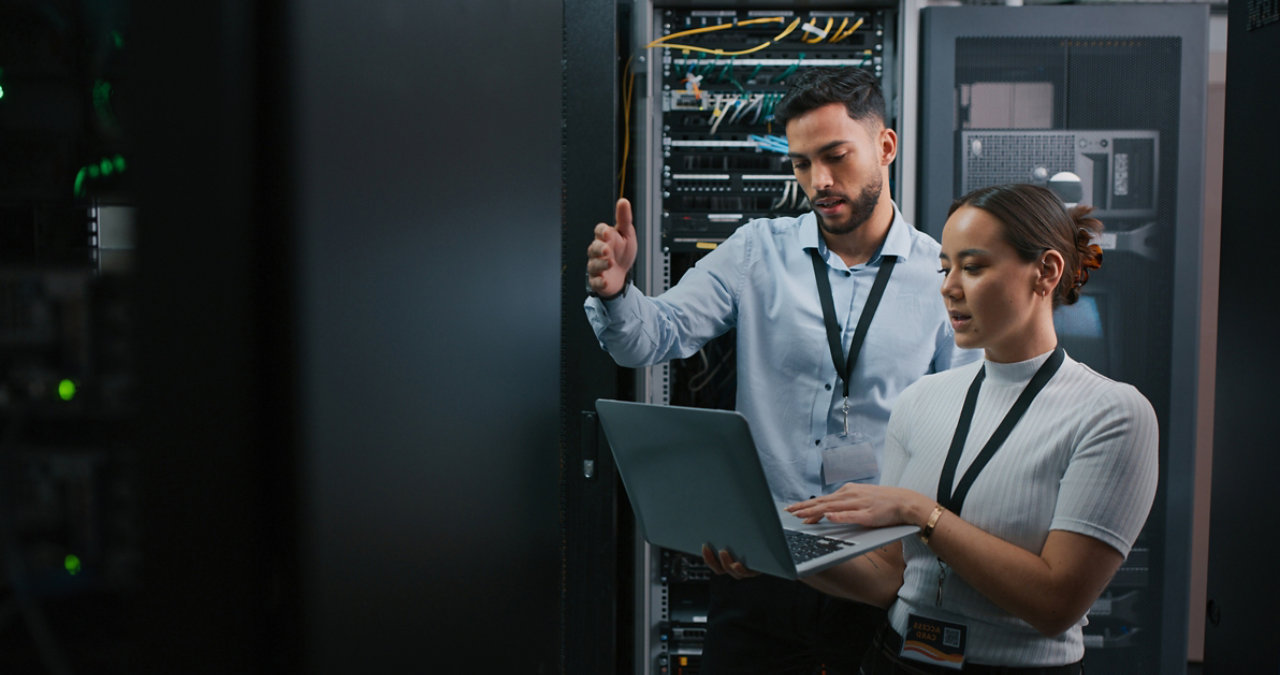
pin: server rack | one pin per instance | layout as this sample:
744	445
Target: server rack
70	541
1106	105
706	159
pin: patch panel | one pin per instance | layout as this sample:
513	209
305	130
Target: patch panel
723	72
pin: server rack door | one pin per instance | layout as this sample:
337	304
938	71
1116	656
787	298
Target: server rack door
1106	105
595	527
422	158
1241	582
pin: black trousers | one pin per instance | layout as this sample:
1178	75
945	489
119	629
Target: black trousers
770	625
882	659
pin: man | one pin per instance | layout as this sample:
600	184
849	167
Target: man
816	377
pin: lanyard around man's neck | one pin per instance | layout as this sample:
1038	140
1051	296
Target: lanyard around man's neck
845	369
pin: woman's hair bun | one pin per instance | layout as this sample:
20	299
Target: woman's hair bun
1087	230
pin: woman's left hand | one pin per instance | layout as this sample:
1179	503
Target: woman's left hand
866	505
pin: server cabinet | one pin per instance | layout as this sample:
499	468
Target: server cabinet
698	85
348	455
1105	104
1241	583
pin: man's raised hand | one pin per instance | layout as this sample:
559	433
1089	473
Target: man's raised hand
612	253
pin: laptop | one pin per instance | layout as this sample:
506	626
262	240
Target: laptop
693	476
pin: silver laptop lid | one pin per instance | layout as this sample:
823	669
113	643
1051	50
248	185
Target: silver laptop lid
693	476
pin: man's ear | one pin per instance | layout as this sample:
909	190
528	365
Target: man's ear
888	141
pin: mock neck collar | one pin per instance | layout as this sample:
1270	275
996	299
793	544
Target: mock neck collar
1014	373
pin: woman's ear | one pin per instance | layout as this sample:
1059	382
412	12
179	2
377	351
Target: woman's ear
1052	266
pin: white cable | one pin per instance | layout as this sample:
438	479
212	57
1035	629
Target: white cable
715	108
721	117
742	109
782	199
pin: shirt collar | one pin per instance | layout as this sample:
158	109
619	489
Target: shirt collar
896	243
1015	373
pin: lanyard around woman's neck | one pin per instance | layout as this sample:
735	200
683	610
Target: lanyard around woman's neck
954	500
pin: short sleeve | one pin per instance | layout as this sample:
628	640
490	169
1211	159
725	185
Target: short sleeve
1110	483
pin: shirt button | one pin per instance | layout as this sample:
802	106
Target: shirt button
828	387
847	273
817	441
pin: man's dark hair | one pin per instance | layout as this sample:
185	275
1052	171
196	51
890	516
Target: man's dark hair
813	88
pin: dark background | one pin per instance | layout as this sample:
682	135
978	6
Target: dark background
349	306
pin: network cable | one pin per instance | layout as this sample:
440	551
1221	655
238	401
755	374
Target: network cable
662	41
819	34
776	144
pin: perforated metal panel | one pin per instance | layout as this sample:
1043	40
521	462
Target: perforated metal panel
1116	170
1113	94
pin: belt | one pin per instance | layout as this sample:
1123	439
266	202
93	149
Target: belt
888	644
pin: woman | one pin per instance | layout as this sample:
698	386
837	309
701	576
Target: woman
1015	546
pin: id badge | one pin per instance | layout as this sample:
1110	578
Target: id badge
932	641
849	457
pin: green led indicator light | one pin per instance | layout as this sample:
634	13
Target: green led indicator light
67	390
72	563
99	169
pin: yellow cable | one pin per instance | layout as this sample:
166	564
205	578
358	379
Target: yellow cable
825	31
843	22
849	32
708	29
785	32
626	126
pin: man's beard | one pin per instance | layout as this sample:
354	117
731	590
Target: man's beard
860	209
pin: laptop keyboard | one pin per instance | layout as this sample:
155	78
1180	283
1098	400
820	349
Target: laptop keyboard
806	547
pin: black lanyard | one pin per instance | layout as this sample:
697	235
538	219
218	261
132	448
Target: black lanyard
955	501
864	320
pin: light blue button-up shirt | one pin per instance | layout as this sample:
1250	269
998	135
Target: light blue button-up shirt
760	281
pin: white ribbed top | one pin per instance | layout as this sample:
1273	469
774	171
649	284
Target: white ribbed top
1083	458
